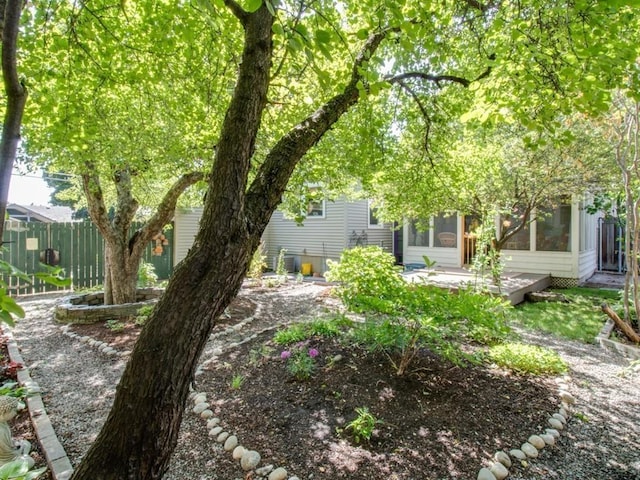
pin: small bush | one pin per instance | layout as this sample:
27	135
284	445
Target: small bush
370	280
528	359
302	331
115	325
143	315
258	264
363	425
147	275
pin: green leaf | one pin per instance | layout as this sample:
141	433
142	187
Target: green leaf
32	475
269	5
8	304
14	468
277	29
323	36
5	317
253	5
362	34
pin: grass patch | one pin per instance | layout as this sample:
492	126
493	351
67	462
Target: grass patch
527	359
580	319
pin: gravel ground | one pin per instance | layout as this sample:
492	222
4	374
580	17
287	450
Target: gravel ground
602	440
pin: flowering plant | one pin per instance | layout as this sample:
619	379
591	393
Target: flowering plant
300	361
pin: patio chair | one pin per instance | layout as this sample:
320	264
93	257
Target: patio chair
447	239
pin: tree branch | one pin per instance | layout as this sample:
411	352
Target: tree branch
126	204
240	13
95	202
265	193
164	211
437	79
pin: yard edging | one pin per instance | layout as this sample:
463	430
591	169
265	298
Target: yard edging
57	459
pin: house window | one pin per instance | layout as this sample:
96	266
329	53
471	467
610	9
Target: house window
445	229
418	235
553	230
374	221
315	207
522	239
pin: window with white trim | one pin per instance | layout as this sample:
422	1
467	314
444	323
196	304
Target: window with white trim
374	221
315	208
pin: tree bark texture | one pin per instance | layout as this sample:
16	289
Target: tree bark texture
142	428
16	99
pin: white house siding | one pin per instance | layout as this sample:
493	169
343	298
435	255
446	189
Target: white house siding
186	223
358	222
316	241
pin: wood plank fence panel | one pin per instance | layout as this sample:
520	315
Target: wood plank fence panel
80	250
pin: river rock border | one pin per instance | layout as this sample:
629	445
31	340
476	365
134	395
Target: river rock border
536	442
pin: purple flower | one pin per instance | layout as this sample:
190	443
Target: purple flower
313	353
285	354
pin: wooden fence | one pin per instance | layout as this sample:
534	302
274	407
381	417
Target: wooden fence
77	247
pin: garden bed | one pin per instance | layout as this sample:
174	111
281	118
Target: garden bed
606	341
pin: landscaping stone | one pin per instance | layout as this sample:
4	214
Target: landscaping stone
567	398
554	432
206	414
485	474
529	450
213	422
503	458
221	438
499	471
278	474
200	407
559	417
238	452
214	432
548	439
264	471
519	454
556	424
536	441
231	443
564	413
250	460
200	398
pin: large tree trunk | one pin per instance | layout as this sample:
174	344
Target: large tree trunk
121	275
142	428
16	98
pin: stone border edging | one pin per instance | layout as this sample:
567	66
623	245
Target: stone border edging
54	452
530	449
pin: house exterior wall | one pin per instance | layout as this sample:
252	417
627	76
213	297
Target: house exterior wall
344	224
578	264
185	223
314	242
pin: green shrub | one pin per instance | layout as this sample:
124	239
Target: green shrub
528	359
363	425
143	314
258	264
147	275
299	332
370	280
115	325
291	334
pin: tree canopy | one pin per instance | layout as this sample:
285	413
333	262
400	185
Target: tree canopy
256	92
